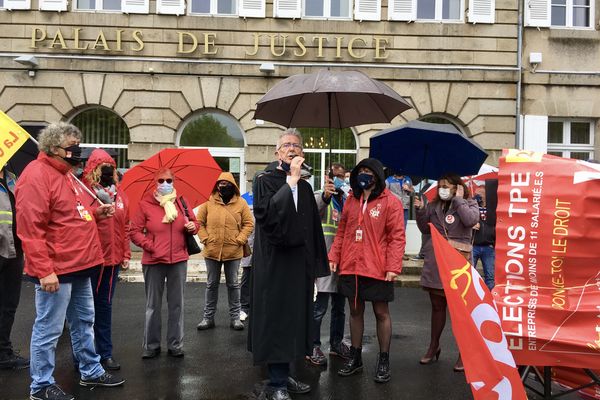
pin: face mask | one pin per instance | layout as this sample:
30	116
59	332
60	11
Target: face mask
164	188
347	180
338	183
73	156
285	166
365	180
107	176
226	192
444	193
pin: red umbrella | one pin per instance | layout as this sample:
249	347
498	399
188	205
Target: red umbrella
195	171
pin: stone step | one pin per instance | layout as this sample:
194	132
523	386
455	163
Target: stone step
411	271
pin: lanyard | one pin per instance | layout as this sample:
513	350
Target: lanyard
361	212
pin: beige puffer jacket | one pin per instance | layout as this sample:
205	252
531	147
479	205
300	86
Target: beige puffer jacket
224	228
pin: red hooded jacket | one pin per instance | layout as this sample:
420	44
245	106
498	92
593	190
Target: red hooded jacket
162	243
383	240
56	238
113	231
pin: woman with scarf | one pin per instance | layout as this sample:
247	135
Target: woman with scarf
225	225
159	227
100	175
454	214
367	253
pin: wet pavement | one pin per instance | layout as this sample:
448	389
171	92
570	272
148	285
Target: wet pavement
217	365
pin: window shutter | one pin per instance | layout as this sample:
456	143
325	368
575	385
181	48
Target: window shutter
174	7
402	10
367	10
53	5
252	8
135	6
535	133
537	13
288	9
482	11
17	4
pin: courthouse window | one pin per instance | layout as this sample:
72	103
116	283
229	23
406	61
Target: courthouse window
571	13
572	139
439	10
105	129
327	8
214	7
104	5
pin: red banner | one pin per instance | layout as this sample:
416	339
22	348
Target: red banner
489	366
548	259
576	377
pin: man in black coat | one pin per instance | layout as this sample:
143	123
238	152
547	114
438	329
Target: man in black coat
289	253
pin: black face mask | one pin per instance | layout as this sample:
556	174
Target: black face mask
73	156
107	176
285	166
226	192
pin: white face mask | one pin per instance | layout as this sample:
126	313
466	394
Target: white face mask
444	193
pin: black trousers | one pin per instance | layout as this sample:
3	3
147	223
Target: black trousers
278	375
11	274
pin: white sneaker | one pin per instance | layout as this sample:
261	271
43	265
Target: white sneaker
243	316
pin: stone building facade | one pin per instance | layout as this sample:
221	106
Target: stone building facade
159	65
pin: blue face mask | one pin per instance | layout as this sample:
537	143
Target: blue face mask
164	188
338	183
365	180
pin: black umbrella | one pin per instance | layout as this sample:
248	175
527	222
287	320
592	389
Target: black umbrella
427	150
330	99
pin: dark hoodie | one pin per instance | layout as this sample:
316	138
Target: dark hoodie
377	167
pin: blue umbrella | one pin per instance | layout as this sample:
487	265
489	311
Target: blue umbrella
427	150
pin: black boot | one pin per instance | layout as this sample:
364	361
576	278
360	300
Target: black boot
354	364
383	368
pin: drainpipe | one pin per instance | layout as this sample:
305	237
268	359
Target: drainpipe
520	11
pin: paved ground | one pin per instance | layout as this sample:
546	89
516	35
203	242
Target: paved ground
217	366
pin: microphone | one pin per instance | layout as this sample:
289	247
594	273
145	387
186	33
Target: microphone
306	167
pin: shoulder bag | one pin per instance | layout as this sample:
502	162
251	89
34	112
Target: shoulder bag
190	241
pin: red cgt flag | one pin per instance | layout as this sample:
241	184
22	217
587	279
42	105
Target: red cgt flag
489	365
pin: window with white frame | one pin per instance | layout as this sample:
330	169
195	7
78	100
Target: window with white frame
439	10
327	8
571	13
214	7
571	139
99	5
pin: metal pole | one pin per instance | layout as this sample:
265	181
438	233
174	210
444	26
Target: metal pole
77	179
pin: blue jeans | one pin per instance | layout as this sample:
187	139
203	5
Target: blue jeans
338	317
104	290
73	301
487	255
213	271
405	218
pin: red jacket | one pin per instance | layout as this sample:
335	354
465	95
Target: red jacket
383	239
162	243
55	237
113	231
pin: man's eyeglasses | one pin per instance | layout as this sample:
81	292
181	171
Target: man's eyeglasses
168	180
288	145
